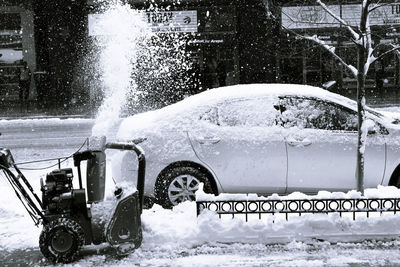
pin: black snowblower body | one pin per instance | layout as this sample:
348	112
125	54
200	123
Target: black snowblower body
68	214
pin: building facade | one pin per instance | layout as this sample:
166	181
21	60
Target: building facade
16	45
230	42
302	61
229	46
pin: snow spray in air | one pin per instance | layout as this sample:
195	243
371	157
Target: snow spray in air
140	70
122	31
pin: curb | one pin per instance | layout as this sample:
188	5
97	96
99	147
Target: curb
30	117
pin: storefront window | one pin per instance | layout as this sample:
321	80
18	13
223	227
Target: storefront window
215	47
385	71
217	19
10	53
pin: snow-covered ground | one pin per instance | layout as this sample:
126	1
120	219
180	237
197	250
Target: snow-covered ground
179	238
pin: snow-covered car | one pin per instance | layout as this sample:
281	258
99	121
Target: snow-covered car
259	138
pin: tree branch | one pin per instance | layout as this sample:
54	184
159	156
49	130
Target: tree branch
378	5
308	22
394	49
331	50
368	45
355	35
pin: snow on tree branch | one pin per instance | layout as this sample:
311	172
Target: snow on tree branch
331	50
368	43
378	5
355	35
395	49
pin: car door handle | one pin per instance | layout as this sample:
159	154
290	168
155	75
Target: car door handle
299	143
208	140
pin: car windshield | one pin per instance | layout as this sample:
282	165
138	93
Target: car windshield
377	113
374	112
351	104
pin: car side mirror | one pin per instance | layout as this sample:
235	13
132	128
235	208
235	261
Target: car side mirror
376	128
280	108
371	126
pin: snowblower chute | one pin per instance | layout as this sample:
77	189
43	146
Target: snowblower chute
69	219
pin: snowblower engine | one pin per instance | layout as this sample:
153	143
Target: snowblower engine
70	216
58	196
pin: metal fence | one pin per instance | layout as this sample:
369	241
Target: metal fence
300	206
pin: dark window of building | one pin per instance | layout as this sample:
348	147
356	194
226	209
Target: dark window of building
10	22
217	19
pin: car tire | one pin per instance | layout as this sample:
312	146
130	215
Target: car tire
180	184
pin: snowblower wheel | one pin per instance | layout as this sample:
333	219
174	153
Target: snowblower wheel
180	184
61	239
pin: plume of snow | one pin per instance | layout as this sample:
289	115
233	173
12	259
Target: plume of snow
123	29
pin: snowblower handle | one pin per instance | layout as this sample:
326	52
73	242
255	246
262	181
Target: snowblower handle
142	165
84	155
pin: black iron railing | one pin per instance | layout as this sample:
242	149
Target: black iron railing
301	206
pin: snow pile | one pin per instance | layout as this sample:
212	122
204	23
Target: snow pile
379	192
181	228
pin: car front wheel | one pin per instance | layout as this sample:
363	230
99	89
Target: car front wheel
180	184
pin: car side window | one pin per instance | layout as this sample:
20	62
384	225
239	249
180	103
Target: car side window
244	112
316	114
211	116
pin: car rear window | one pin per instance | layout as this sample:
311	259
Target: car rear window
245	112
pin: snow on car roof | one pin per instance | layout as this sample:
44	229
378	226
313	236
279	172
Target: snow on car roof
251	90
216	95
152	119
213	96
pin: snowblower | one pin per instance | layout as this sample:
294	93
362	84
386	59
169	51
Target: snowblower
73	217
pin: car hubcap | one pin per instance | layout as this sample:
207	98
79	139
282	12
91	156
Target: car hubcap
183	188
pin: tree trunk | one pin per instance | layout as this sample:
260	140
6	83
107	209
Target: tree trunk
361	117
362	58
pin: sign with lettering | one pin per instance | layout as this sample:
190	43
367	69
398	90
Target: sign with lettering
172	21
158	21
307	17
206	41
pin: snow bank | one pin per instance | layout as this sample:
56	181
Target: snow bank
379	192
39	122
181	228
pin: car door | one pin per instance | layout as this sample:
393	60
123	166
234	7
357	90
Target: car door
240	141
321	139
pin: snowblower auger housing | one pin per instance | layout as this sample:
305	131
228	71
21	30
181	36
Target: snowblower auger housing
66	212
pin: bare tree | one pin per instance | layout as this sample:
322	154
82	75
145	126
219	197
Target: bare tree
366	55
